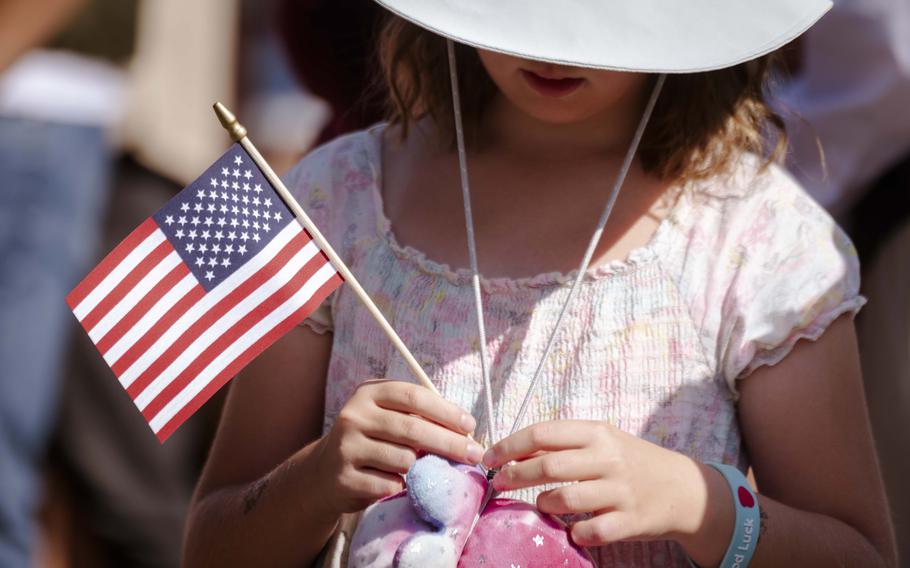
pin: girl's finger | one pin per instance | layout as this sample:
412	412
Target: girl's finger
414	399
601	530
422	435
548	436
372	484
549	467
388	457
586	497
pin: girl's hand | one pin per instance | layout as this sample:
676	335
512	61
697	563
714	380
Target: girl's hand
635	490
377	435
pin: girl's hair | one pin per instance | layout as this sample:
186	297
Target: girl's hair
701	122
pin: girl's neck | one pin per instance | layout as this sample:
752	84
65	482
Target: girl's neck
509	129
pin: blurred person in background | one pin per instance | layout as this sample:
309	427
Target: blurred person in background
61	92
852	95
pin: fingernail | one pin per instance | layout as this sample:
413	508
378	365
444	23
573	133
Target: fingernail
475	453
489	458
467	423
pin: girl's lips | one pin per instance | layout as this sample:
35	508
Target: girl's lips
552	87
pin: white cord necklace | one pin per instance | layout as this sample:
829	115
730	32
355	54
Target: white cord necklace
472	249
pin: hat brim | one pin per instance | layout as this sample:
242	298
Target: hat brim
661	36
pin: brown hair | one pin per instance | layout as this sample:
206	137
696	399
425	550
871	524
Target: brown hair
701	122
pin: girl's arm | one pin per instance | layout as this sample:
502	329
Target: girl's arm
806	428
256	503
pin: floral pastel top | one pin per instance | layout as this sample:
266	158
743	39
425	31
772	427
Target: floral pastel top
741	268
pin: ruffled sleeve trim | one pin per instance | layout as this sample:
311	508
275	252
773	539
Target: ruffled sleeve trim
770	356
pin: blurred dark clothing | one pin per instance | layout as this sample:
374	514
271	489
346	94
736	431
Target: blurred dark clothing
130	492
331	44
105	29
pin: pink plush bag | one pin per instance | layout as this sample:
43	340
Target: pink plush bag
429	525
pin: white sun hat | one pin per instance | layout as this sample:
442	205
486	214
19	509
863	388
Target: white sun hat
659	36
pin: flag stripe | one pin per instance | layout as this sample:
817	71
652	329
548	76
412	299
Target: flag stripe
150	306
135	295
164	339
219	319
109	280
221	345
136	344
249	346
116	256
125	283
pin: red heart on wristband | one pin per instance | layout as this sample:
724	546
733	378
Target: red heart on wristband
745	497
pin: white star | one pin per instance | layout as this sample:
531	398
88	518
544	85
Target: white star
234	222
235	186
235	210
197	207
226	262
244	237
234	198
205	235
245	199
184	206
265	227
190	247
538	541
213	262
223	208
246	187
213	194
246	224
225	172
245	211
278	217
268	201
209	275
182	220
208	222
216	248
224	195
242	249
256	237
256	225
195	221
169	220
256	201
192	234
224	184
179	234
203	248
213	182
219	235
210	208
238	160
256	213
236	173
200	261
247	174
257	188
266	215
229	249
232	235
200	194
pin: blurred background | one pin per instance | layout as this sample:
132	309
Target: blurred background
104	115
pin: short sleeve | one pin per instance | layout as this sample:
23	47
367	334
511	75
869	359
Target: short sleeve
321	183
793	271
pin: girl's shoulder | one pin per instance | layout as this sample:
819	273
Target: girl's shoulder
761	265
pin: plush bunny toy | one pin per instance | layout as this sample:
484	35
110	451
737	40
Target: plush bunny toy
428	525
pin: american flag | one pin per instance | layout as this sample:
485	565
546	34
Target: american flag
200	289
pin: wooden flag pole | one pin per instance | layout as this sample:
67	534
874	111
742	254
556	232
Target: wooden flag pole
239	134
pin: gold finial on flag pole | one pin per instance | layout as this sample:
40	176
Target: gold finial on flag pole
239	134
229	122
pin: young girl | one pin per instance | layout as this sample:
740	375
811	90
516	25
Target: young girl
714	324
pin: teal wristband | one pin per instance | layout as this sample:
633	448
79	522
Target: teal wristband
747	525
